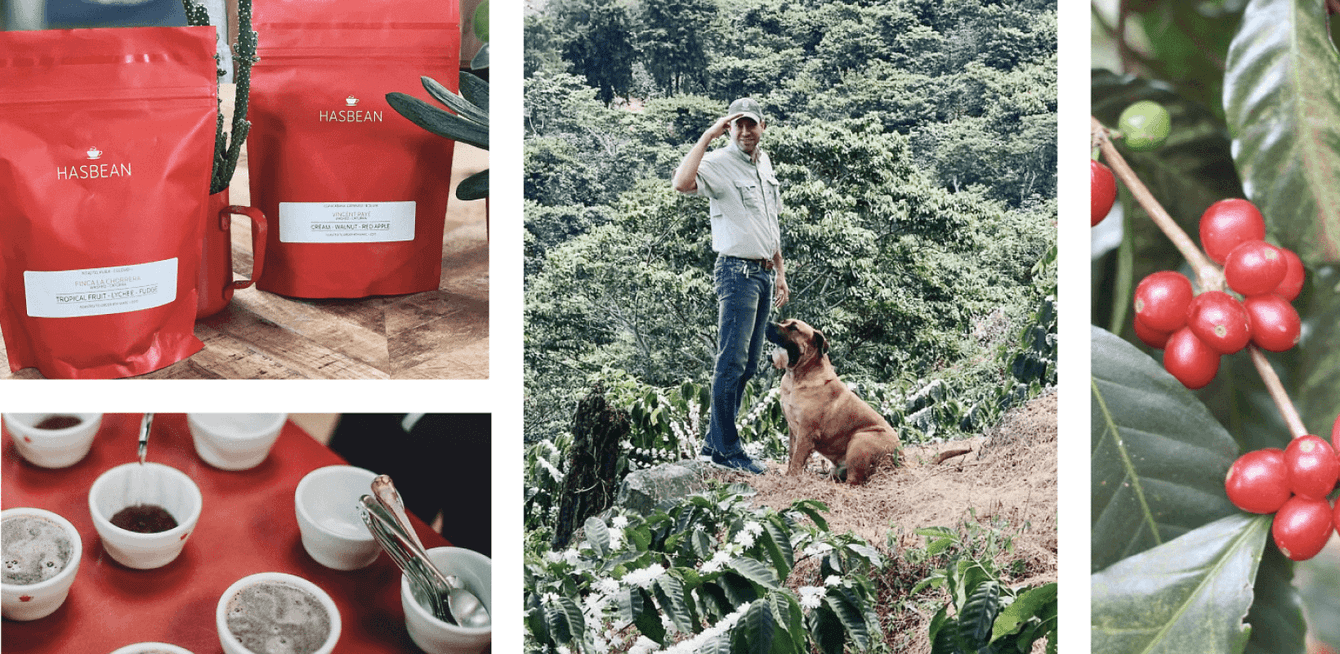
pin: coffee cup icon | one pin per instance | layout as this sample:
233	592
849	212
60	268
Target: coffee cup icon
351	101
94	153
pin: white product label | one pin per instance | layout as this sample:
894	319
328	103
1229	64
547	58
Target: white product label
346	222
100	291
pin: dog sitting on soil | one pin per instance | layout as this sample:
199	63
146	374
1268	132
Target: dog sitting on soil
822	414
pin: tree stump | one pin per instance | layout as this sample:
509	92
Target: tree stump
591	481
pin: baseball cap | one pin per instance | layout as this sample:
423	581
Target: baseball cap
747	106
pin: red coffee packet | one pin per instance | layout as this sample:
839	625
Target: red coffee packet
106	147
355	194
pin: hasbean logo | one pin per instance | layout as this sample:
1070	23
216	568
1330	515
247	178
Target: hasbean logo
93	171
350	115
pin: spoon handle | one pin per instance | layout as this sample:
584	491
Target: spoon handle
385	491
145	424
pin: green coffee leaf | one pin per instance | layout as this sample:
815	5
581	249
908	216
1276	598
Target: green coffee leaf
598	535
1187	595
1276	618
1158	457
1282	103
1029	604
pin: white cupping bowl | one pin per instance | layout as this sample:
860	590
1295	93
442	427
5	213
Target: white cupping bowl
231	645
167	487
327	506
33	601
435	636
234	441
152	648
52	448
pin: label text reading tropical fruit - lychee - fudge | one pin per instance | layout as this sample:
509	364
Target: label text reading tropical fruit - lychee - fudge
100	291
346	222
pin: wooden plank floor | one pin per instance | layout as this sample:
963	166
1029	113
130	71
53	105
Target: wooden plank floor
442	334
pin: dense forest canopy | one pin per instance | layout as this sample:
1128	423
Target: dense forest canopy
916	145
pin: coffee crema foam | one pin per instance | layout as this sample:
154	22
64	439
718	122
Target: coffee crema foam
34	549
271	617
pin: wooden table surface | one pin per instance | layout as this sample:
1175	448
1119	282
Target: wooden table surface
442	334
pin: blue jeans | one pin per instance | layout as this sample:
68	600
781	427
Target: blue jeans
744	298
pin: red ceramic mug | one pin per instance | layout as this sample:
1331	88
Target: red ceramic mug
215	284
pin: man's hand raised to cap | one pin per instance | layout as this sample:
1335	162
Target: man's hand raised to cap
722	126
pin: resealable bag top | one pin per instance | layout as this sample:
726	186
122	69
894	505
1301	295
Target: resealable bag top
356	195
106	146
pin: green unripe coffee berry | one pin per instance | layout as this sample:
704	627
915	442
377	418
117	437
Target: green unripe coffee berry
1145	125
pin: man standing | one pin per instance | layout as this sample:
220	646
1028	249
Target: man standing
745	202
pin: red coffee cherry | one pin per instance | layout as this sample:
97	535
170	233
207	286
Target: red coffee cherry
1254	268
1313	466
1102	190
1226	224
1188	359
1292	284
1275	323
1302	526
1219	321
1161	300
1258	482
1336	518
1151	337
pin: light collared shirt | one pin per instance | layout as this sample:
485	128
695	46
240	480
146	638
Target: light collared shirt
745	200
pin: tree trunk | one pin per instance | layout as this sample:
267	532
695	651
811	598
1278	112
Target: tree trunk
591	481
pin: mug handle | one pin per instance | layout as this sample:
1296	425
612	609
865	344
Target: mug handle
258	237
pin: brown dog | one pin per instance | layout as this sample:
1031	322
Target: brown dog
823	415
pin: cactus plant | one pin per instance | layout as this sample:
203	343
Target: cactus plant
227	153
469	123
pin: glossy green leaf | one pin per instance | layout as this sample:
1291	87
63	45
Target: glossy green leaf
629	601
755	571
1318	385
670	594
438	121
851	618
474	187
598	536
454	101
1282	103
1158	456
1277	616
1187	595
1031	603
1318	580
978	616
757	625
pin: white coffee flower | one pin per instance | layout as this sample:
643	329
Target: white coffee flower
717	562
645	576
832	580
643	645
811	596
607	585
571	556
619	522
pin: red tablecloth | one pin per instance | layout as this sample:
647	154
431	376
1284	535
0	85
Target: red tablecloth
247	525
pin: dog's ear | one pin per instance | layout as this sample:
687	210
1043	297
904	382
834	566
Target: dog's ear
820	343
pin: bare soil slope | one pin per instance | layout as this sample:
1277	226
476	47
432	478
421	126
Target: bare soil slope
1010	476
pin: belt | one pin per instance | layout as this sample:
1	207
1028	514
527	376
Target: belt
765	263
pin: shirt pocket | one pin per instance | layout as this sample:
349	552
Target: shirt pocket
774	190
751	194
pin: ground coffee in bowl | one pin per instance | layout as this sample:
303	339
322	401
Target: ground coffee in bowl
106	146
354	193
273	617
